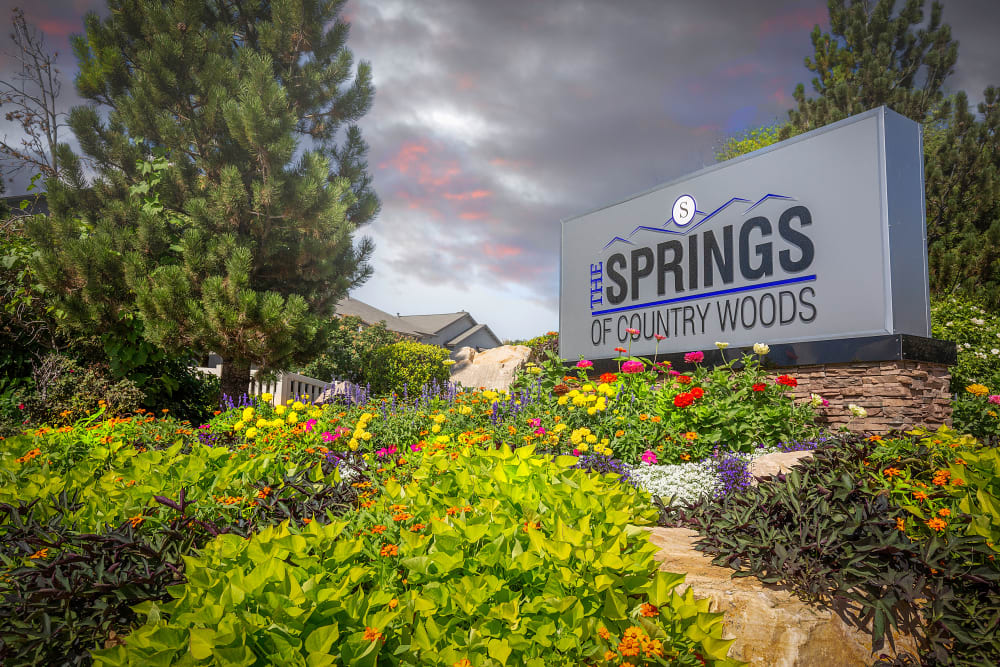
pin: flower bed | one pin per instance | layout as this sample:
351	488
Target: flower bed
452	528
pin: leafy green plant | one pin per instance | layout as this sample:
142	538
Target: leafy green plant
410	364
495	557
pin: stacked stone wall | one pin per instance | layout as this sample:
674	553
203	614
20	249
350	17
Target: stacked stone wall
896	394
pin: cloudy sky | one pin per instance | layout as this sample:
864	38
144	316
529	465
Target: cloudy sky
493	121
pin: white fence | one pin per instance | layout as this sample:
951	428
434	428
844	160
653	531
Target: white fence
288	386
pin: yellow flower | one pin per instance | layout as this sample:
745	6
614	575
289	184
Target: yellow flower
977	390
439	419
367	436
293	417
280	410
261	423
297	405
251	432
266	397
563	400
436	428
247	414
353	444
238	426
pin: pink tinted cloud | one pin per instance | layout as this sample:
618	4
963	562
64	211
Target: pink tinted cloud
740	69
465	196
60	27
466	82
472	215
794	21
500	251
410	153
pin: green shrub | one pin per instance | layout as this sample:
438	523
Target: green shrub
408	364
349	351
976	331
65	391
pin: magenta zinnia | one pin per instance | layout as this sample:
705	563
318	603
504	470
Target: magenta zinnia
694	357
633	366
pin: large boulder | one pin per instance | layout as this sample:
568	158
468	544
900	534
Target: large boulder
771	625
772	465
490	369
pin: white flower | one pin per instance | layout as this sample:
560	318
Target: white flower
761	349
994	351
978	322
816	400
948	324
723	346
966	346
857	410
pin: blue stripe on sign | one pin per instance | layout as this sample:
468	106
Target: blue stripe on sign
692	297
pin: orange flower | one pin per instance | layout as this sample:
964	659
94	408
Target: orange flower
393	603
655	419
958	481
690	435
891	472
900	524
649	610
263	493
944	511
137	520
603	632
875	438
389	550
643	417
920	495
402	516
41	553
464	662
685	457
937	524
417	527
372	634
378	530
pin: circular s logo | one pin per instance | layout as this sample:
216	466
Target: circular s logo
683	210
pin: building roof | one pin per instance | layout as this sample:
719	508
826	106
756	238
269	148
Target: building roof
371	315
433	323
457	340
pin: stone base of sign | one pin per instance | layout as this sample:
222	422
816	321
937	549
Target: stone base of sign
896	394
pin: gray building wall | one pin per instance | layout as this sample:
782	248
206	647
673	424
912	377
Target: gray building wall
457	327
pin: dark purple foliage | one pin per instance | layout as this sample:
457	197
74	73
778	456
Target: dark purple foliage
606	465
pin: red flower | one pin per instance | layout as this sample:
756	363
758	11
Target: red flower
683	400
684	379
759	386
787	380
608	378
697	392
621	349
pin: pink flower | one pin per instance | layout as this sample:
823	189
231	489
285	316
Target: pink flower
634	332
539	431
309	425
576	452
535	422
675	373
659	337
694	357
649	456
328	437
386	451
584	363
20	406
994	399
633	366
415	447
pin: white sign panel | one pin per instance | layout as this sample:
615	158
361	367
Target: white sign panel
818	237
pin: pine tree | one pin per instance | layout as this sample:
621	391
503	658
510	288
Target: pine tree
874	56
231	178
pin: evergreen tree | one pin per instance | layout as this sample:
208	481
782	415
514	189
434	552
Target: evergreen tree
230	178
874	56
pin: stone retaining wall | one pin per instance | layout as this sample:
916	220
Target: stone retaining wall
896	394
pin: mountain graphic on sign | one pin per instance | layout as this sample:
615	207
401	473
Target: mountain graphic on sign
665	229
